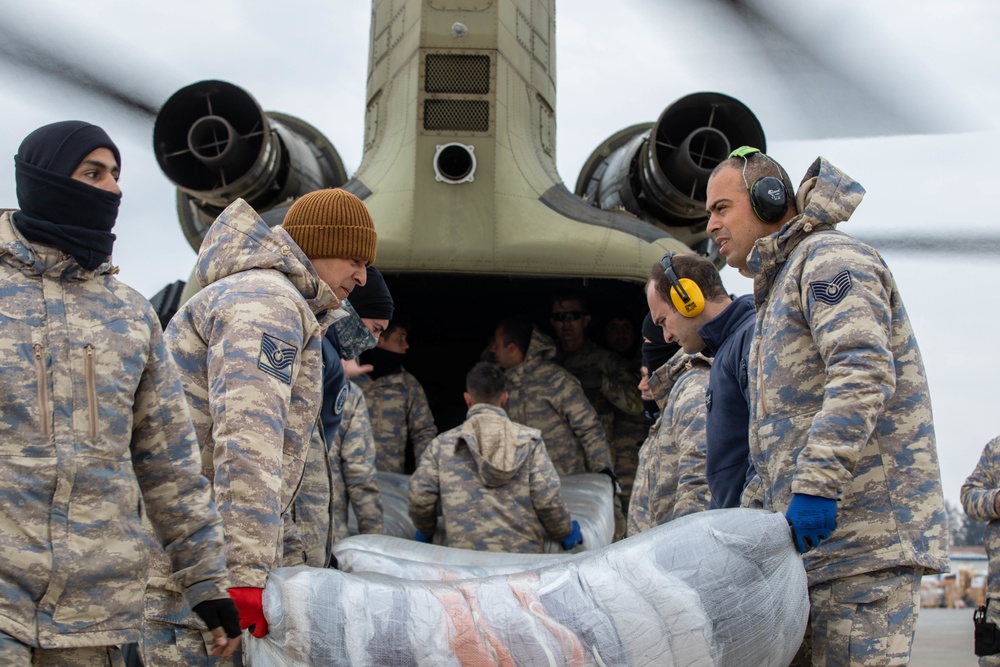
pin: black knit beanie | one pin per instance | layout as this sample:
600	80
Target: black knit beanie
56	209
372	300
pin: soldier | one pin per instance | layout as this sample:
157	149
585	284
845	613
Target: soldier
400	416
341	458
721	328
841	434
249	349
670	478
492	478
981	501
96	433
546	396
609	383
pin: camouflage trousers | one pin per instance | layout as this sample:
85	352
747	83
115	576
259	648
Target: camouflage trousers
15	654
862	621
992	615
169	645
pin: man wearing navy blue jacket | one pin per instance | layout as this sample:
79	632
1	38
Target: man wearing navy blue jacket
722	328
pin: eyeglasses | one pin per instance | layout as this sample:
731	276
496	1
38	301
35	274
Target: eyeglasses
568	315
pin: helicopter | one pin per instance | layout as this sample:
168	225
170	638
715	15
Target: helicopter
457	265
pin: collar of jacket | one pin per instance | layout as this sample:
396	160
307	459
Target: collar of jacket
239	240
715	332
666	376
480	408
826	197
37	259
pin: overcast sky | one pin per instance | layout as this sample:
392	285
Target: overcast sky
930	62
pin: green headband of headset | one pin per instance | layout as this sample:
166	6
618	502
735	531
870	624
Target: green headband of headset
743	151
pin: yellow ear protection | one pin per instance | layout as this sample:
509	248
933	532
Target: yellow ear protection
767	194
684	292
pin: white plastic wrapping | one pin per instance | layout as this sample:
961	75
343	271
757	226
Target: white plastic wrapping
407	559
587	496
720	588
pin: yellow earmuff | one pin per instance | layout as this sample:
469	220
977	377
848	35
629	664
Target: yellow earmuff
684	292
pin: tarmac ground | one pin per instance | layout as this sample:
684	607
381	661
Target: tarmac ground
943	639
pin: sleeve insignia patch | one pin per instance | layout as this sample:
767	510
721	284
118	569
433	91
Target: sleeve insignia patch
277	357
832	292
338	405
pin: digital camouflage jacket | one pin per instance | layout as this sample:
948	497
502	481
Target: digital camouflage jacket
96	433
839	404
495	484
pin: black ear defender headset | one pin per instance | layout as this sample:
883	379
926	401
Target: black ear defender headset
767	194
684	292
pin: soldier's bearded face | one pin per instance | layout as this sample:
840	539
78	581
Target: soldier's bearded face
732	223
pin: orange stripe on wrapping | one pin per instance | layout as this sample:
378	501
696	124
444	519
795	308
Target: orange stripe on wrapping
526	595
467	640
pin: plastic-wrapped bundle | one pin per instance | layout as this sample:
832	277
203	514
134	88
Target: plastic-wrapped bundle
587	496
720	588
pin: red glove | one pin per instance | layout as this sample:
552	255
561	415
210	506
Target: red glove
250	604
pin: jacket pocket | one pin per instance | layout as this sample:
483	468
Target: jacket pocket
43	390
91	374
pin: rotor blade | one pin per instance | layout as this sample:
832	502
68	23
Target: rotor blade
935	244
832	95
28	56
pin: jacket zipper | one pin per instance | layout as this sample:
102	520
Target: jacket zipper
91	391
43	390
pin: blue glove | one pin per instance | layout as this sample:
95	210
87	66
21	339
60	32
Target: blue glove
812	519
420	537
575	537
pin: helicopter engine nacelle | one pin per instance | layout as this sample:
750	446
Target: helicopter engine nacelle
659	172
213	141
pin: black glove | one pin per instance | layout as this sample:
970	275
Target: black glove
220	612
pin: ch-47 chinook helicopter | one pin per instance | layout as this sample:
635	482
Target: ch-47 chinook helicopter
459	174
459	171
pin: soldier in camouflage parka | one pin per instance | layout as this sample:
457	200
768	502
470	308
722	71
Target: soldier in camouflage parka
248	347
398	412
839	404
355	446
493	481
670	479
980	495
546	396
334	474
97	437
94	412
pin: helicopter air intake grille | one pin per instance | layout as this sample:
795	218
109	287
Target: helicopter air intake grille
457	74
457	115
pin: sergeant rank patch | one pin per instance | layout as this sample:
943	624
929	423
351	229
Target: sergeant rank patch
276	357
832	292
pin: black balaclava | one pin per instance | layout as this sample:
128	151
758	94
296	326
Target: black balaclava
56	209
655	353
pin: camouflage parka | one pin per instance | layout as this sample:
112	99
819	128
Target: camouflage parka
248	346
398	412
495	484
96	432
544	395
670	479
978	500
839	403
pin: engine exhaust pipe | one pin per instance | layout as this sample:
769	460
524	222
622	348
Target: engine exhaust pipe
215	144
659	172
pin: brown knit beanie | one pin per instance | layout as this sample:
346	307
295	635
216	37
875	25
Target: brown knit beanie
332	223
